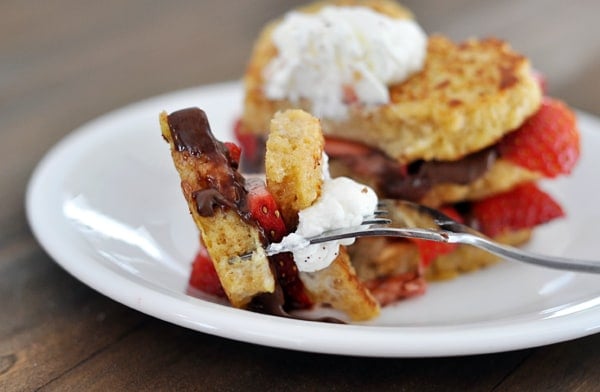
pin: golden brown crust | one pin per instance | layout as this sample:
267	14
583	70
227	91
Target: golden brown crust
293	162
295	183
466	97
225	234
339	286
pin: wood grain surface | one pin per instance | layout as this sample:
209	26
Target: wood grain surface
65	62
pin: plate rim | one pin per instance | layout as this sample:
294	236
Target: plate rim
219	320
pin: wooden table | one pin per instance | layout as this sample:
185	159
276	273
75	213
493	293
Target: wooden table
65	62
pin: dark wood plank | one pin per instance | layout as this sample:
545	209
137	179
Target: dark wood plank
170	358
51	322
566	366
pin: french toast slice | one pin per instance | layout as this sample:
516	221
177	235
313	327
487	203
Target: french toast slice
466	97
212	187
293	166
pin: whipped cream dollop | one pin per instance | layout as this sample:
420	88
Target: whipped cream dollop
341	55
343	203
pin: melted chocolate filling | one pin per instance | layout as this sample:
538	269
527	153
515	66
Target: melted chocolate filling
423	175
396	181
412	182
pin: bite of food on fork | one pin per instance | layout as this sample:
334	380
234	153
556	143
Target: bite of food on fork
441	228
303	239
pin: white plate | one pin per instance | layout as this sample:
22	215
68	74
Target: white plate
106	205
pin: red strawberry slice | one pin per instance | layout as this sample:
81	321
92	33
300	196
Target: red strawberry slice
520	208
429	250
264	210
204	276
548	142
392	288
234	152
293	288
248	141
340	147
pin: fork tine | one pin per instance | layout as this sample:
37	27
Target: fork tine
442	220
379	216
448	231
376	221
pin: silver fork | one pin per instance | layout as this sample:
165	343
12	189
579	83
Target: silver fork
410	220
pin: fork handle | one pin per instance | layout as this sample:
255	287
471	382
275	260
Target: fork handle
509	252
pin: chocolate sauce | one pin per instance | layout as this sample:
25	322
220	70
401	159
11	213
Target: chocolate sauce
273	303
224	186
415	180
423	175
209	199
191	132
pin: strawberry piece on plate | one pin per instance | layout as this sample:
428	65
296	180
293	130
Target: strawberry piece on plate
264	210
234	152
392	288
293	288
429	250
204	276
248	141
523	207
340	147
548	142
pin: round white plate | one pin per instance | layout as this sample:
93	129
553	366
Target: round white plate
105	203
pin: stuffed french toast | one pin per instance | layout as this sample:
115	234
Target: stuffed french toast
238	216
464	127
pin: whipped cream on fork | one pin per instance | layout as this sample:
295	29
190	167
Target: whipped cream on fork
343	203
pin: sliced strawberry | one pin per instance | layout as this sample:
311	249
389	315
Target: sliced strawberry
429	250
204	276
340	147
392	288
264	210
548	142
520	208
234	152
247	140
287	274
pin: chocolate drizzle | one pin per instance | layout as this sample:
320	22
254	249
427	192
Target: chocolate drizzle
274	303
191	132
413	181
223	185
207	200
